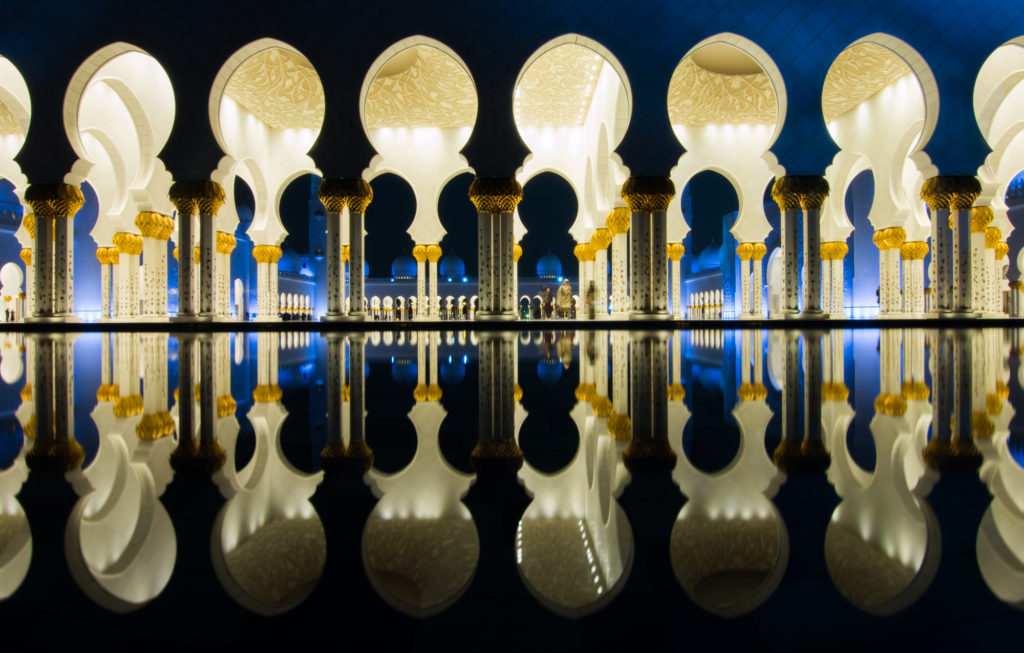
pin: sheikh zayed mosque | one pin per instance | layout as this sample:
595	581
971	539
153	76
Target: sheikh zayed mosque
872	151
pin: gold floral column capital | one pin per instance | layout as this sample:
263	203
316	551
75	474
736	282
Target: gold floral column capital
759	251
205	196
890	238
434	253
225	242
54	200
913	250
266	253
835	250
128	243
1002	249
675	251
336	194
419	252
618	221
154	225
601	238
29	222
745	251
992	237
495	194
648	194
981	217
517	252
950	192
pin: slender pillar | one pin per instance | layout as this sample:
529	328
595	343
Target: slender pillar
989	274
813	193
183	195
581	251
618	224
129	246
433	256
757	282
266	291
955	195
785	192
222	272
1001	250
495	199
26	258
105	257
888	242
333	207
517	253
600	240
648	199
832	255
53	206
155	229
359	198
745	252
912	256
675	257
419	252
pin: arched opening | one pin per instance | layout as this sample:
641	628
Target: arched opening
387	222
418	106
726	104
711	207
571	106
1014	199
548	436
711	438
863	257
266	109
547	211
458	217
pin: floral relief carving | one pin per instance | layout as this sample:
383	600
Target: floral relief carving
279	87
9	125
856	75
698	97
433	90
558	87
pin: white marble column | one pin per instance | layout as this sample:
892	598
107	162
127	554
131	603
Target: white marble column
912	257
433	256
419	252
335	266
675	256
186	208
811	203
757	281
495	200
788	200
63	267
129	248
617	223
356	255
744	252
600	280
207	252
648	199
26	257
640	262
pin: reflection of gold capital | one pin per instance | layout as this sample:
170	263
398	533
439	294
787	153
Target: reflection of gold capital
1002	390
496	455
205	458
993	404
495	194
981	426
434	392
55	455
517	394
602	407
890	404
752	392
958	455
26	392
676	392
419	393
649	455
831	391
226	406
801	457
800	191
648	194
267	393
155	426
619	427
914	391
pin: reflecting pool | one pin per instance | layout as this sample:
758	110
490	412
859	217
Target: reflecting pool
823	488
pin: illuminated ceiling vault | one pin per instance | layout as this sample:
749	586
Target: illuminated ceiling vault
557	88
421	87
858	73
279	87
721	84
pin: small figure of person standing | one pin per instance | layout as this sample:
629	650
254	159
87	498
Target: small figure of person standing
547	302
564	299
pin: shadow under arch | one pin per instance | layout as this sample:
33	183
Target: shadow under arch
387	221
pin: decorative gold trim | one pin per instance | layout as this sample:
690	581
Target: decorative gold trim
155	426
992	237
266	253
752	392
619	427
129	406
29	222
950	192
890	238
128	243
517	252
26	256
1002	249
419	252
913	250
154	225
981	217
914	391
434	253
675	251
336	194
890	404
225	242
833	391
618	221
745	251
648	194
835	250
495	194
226	405
54	200
759	251
267	393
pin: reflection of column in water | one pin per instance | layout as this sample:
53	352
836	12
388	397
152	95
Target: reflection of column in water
950	448
496	448
55	447
648	448
795	454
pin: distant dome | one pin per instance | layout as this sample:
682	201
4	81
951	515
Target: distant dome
452	266
709	259
403	371
549	371
403	267
549	267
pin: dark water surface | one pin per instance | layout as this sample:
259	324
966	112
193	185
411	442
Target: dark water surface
531	490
